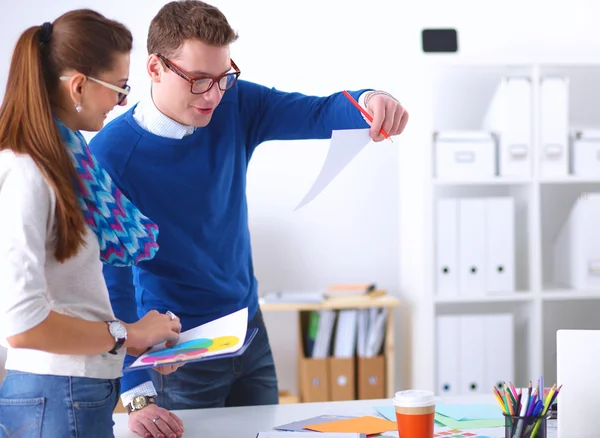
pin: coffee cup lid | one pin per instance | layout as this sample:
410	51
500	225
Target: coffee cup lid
414	398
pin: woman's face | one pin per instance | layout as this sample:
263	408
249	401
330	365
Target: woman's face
98	99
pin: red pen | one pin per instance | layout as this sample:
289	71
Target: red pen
366	114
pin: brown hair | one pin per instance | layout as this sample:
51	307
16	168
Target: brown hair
82	40
183	20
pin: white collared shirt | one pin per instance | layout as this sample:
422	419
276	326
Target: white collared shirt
149	117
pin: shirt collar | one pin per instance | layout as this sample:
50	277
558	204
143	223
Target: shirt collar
150	118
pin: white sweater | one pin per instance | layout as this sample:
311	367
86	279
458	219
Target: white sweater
33	282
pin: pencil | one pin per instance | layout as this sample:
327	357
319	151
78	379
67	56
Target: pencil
365	113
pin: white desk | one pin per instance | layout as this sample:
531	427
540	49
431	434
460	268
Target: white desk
246	422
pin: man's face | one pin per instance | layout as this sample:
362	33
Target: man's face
172	93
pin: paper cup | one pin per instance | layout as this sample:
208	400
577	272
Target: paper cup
415	412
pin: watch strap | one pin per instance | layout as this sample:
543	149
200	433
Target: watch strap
118	341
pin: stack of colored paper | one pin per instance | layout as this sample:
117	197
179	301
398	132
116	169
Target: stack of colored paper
469	416
459	416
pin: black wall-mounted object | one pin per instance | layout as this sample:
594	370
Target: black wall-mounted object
439	40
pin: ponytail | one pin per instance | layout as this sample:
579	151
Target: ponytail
27	127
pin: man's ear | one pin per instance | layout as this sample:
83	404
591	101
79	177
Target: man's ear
155	68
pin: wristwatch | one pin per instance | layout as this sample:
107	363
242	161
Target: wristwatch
119	332
139	402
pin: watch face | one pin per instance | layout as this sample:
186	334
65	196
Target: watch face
139	402
118	330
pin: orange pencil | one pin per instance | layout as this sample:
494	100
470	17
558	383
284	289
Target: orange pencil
366	114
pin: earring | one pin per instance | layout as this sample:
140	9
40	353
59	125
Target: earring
78	107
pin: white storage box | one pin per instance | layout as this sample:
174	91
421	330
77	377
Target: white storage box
585	153
577	246
463	155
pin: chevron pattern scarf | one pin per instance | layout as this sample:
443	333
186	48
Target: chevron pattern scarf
125	235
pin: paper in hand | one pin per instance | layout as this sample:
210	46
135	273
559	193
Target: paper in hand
344	146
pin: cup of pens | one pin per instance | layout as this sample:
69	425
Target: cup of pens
525	410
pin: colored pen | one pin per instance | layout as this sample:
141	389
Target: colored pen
365	113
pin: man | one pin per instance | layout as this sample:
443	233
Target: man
181	156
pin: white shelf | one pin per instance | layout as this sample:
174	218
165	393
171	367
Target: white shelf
496	298
542	204
569	294
570	179
485	182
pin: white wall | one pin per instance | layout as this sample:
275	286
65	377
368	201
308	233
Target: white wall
352	231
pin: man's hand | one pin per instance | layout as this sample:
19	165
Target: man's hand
156	422
167	369
387	113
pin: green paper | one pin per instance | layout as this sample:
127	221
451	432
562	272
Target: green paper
468	424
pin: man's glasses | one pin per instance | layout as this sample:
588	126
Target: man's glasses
202	85
122	92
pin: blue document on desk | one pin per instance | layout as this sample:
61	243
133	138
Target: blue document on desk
298	426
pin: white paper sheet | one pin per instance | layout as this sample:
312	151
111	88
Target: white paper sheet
344	146
221	336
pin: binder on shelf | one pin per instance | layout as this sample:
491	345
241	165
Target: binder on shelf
500	244
473	352
461	155
371	380
342	369
576	251
509	117
499	349
471	377
447	247
472	241
447	354
346	334
554	126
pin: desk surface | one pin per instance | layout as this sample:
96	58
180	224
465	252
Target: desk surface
246	422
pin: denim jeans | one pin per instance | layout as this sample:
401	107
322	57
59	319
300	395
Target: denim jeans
246	380
41	406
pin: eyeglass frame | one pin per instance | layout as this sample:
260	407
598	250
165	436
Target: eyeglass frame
215	79
122	92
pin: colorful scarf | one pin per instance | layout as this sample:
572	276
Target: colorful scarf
125	235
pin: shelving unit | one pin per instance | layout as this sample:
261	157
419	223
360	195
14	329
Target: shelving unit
385	301
459	93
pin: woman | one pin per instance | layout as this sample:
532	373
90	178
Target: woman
60	218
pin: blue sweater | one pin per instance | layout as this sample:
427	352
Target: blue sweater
195	190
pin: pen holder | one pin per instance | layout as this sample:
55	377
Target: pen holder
524	427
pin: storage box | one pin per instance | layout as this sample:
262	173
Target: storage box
577	246
342	378
585	153
461	155
371	377
313	374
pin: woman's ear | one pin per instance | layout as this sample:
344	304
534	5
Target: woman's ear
76	85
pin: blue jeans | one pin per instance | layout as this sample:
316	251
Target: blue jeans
41	406
246	380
